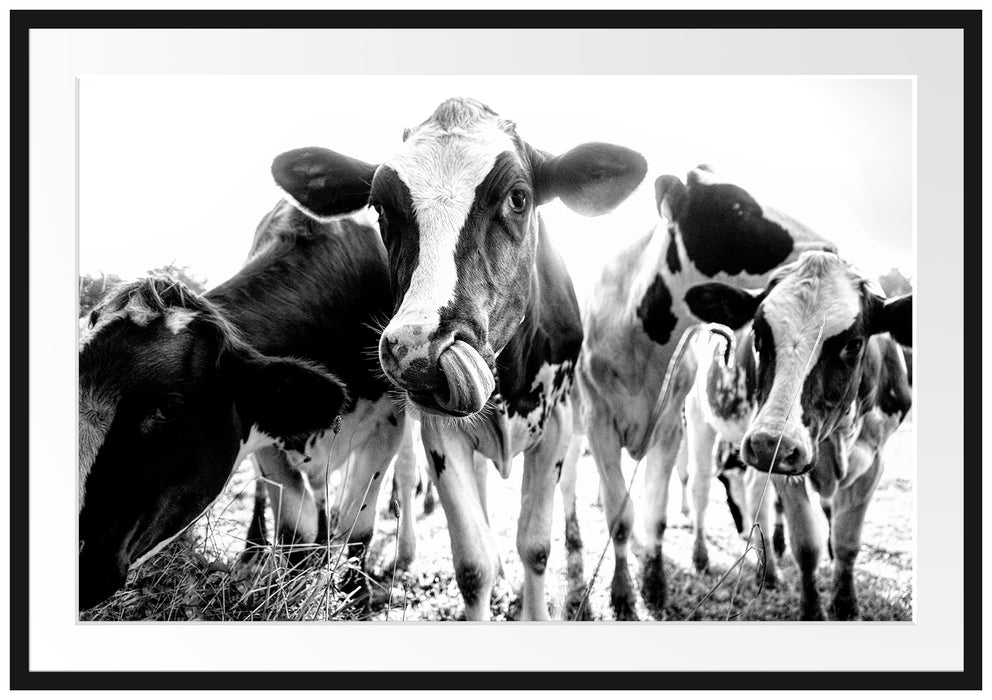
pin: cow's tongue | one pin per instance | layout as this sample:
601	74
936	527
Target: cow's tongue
470	382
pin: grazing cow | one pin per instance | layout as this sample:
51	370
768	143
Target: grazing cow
718	411
177	388
831	389
710	230
486	331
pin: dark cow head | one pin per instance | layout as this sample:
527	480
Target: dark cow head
811	330
725	229
457	211
169	397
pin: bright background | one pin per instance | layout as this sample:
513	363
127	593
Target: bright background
176	169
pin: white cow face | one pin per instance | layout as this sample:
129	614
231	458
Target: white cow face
457	209
811	333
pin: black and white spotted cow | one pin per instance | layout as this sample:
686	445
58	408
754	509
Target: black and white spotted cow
486	331
177	388
831	387
718	410
710	230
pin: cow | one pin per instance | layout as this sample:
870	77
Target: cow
710	230
176	388
486	330
718	410
831	387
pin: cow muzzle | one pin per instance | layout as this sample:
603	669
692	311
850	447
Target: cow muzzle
781	449
448	379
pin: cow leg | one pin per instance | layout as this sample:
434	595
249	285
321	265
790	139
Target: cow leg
430	495
567	478
805	539
659	464
700	439
825	504
778	539
258	536
405	477
355	521
604	443
473	548
480	468
849	506
733	486
294	508
573	537
682	466
537	499
759	509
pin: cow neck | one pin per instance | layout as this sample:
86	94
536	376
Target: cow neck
263	299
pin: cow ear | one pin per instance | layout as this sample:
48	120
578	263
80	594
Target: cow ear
670	196
895	317
283	397
591	179
714	302
323	183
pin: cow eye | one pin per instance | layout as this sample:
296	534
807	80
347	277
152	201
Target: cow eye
517	200
168	409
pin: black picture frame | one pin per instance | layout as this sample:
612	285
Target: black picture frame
22	22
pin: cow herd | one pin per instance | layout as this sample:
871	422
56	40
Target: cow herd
729	341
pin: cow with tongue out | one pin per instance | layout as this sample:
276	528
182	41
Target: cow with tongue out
486	331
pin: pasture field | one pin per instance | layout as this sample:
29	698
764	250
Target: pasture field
199	577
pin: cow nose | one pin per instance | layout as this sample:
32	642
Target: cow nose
406	356
759	446
444	374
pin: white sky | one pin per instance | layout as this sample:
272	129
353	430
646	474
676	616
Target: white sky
176	169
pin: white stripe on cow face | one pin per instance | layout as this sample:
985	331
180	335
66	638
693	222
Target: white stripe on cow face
441	167
96	413
815	301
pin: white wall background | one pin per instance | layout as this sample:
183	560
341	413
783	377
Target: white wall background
176	169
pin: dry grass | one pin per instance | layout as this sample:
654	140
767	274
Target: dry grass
185	583
199	576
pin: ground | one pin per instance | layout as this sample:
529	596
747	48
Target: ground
199	577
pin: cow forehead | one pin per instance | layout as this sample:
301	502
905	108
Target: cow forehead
818	296
442	166
137	312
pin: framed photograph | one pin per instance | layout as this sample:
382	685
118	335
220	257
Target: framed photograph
624	330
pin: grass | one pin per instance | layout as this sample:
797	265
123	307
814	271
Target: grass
199	576
184	583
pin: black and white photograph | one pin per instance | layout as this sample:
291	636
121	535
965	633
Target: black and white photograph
496	348
449	349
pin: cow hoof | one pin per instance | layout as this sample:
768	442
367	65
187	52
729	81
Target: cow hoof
653	585
250	565
354	584
812	613
577	605
622	598
844	608
700	558
767	578
624	607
